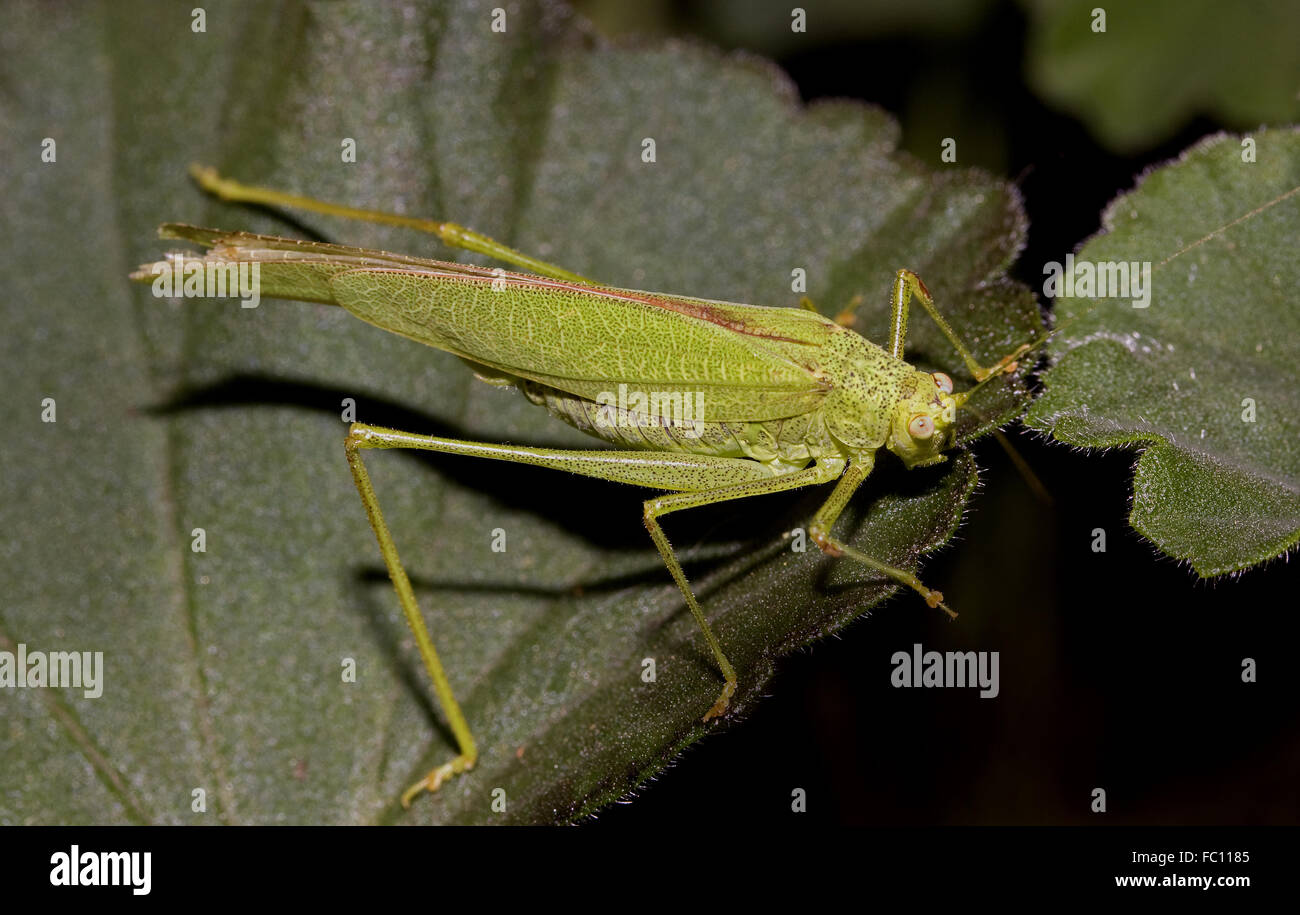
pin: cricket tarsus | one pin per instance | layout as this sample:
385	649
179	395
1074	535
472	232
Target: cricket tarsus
724	701
434	780
828	402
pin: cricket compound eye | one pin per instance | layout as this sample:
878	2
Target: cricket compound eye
944	382
920	426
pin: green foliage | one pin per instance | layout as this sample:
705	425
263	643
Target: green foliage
1204	380
1161	62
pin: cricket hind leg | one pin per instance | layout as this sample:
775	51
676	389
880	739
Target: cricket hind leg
691	474
468	755
451	234
908	285
822	523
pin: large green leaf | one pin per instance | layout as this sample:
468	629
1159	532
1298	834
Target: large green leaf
1205	378
1159	63
223	668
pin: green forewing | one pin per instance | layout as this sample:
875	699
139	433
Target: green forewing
747	363
585	341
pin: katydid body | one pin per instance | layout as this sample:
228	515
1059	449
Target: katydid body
781	397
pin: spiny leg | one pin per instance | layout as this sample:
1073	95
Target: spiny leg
908	284
824	520
449	233
663	505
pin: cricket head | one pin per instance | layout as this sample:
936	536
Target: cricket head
924	422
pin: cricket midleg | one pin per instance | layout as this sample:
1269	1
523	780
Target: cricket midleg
449	233
821	472
820	530
906	285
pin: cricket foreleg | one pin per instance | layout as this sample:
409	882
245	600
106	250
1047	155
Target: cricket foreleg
666	504
449	233
906	285
824	520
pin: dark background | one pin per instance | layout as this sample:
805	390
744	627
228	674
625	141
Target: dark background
1119	670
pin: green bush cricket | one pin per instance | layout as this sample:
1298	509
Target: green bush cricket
760	400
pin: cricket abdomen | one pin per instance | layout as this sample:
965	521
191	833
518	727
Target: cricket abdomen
782	444
864	384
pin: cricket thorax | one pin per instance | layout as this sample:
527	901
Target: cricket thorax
866	385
